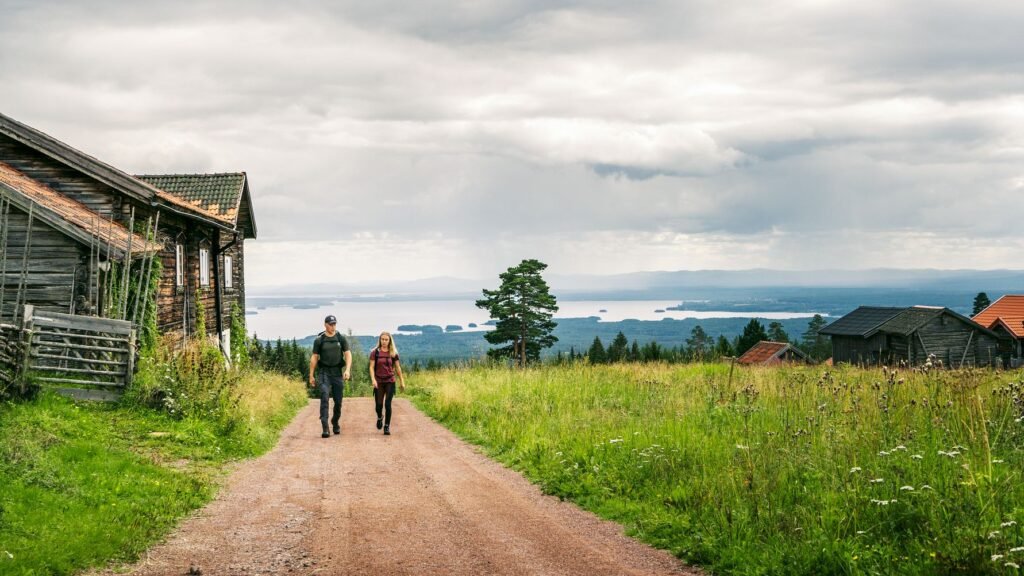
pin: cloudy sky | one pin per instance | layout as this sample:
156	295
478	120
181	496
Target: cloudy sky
396	140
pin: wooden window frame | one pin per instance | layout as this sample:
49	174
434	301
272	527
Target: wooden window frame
179	266
204	267
229	280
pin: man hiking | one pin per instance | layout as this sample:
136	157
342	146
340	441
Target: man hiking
333	358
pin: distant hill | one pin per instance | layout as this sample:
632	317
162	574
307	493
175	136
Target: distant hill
670	284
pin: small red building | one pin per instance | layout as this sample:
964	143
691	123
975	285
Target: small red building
766	353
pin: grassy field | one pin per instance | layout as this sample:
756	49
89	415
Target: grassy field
85	484
770	471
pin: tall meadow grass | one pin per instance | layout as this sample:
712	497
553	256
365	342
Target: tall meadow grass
798	470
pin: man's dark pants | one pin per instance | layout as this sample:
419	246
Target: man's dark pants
332	385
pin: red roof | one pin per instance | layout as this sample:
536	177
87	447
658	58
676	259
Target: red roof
765	352
1008	311
87	222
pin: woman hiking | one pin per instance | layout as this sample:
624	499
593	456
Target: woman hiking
384	367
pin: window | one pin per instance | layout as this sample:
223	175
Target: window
228	275
204	267
179	265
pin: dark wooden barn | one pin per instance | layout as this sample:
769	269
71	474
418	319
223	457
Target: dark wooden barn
880	335
86	204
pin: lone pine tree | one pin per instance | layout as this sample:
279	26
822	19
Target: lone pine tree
523	307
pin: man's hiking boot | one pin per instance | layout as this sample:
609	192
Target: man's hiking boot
326	434
380	422
337	429
387	430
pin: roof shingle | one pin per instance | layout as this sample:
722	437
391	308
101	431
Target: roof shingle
215	194
764	352
85	222
861	322
1009	310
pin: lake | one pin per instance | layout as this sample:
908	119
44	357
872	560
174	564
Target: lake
370	318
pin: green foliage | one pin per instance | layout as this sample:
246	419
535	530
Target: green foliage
286	357
82	485
523	308
596	354
699	344
753	333
981	301
816	346
200	314
239	344
723	348
618	350
776	333
766	471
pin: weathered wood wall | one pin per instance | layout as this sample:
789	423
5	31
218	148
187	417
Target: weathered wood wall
856	350
954	343
54	262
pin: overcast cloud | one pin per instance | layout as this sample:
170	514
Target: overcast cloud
460	137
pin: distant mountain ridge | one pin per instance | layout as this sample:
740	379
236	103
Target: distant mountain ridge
663	284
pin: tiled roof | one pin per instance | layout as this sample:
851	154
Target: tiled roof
59	210
861	322
764	352
910	319
1009	309
216	194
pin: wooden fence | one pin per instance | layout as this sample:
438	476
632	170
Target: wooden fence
79	356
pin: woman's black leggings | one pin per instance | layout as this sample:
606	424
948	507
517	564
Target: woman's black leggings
382	395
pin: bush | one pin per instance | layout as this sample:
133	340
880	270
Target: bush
194	381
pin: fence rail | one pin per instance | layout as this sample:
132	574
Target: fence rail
79	356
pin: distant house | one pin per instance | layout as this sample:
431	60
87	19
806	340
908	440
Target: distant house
81	203
881	335
766	353
1005	317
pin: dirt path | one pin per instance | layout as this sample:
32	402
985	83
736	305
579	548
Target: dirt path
417	502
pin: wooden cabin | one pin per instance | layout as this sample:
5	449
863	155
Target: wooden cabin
766	353
88	206
1005	317
882	335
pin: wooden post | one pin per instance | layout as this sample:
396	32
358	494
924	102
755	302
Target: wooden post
130	369
26	347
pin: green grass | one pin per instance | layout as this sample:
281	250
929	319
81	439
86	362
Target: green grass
778	471
85	484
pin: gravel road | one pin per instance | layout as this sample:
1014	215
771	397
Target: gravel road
420	501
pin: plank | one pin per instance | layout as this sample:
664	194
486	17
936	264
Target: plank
71	322
81	360
89	395
102	373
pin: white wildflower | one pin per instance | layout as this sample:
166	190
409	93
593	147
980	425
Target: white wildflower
859	532
9	555
926	487
884	502
742	447
907	488
855	469
883	453
900	447
997	461
993	534
917	457
877	480
1013	565
615	440
1008	524
996	557
559	453
1017	549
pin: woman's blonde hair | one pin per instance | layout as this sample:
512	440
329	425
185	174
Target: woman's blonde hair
392	349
